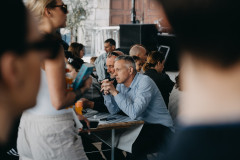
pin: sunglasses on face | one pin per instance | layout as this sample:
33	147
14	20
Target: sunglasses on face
63	7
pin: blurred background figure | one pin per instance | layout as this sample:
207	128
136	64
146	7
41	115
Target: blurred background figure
100	62
92	60
153	68
139	51
77	49
120	53
138	63
68	55
175	95
209	111
73	67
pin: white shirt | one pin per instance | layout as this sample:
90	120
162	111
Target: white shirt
44	105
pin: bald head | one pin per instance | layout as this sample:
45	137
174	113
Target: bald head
139	51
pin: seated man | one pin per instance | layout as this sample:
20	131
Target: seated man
96	103
100	62
138	97
110	65
139	51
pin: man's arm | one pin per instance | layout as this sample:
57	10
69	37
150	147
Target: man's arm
109	101
135	107
111	104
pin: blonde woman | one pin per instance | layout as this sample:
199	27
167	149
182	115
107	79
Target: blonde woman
47	131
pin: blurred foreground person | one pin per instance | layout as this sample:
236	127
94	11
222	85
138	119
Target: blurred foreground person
47	131
210	65
19	65
20	59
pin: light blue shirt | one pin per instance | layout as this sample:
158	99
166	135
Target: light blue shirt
100	65
141	101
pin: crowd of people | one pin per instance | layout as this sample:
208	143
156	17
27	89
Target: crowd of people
195	116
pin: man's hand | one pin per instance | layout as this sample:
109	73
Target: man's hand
87	103
108	87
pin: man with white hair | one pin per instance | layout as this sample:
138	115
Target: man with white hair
139	98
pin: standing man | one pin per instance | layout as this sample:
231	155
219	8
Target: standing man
100	63
138	97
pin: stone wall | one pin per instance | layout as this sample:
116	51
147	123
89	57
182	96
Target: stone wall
98	12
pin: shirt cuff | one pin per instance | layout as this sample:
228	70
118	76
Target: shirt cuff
107	97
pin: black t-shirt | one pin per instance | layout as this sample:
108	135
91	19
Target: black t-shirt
163	82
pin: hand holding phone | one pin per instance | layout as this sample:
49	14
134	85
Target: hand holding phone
93	124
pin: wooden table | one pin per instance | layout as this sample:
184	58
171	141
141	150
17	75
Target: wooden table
118	123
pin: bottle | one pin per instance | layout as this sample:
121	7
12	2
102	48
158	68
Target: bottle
79	107
69	80
69	83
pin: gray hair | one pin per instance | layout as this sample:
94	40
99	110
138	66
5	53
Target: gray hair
129	61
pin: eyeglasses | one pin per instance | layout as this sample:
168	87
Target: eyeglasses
63	8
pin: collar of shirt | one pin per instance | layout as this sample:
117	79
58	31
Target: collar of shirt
134	82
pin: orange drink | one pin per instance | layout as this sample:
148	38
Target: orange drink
69	82
79	107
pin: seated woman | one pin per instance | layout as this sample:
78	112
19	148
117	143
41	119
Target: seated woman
93	97
153	68
77	49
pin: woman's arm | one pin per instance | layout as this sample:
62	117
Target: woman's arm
55	70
